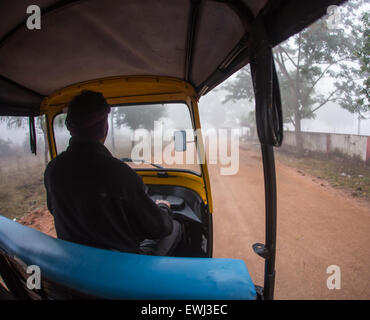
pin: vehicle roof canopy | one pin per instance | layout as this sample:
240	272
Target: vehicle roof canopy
202	42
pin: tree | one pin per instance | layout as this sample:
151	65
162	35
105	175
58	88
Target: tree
21	122
136	117
6	149
354	93
305	63
249	120
42	125
112	116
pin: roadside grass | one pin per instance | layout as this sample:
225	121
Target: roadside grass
21	186
344	174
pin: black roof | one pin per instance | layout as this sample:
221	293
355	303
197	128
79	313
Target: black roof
200	41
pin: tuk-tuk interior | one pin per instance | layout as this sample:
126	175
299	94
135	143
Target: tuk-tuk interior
145	52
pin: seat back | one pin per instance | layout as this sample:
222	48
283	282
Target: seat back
70	270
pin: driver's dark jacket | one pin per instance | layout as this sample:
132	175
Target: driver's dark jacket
99	201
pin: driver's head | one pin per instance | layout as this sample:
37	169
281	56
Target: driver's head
87	116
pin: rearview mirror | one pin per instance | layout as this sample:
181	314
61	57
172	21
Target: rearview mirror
180	140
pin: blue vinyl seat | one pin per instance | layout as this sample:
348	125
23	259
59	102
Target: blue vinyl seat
118	275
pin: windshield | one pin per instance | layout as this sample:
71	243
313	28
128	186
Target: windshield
143	136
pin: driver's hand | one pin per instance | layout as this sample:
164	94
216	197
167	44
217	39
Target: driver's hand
164	202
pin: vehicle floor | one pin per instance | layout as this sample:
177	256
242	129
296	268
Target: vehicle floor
318	226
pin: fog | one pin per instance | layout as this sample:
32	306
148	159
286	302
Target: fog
330	119
213	113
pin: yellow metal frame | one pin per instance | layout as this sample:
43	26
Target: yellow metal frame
139	89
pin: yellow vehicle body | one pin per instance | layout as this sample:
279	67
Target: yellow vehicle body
132	90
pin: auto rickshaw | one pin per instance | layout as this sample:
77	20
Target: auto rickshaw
144	53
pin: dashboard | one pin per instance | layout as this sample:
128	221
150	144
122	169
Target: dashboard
185	204
180	208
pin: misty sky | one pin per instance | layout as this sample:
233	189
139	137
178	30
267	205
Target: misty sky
330	118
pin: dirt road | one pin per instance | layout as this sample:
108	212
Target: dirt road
318	226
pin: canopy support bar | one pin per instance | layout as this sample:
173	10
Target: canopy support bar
271	215
194	14
270	133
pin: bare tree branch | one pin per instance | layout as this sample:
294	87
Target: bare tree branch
287	54
320	77
323	103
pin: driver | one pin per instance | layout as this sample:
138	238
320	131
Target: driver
96	199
